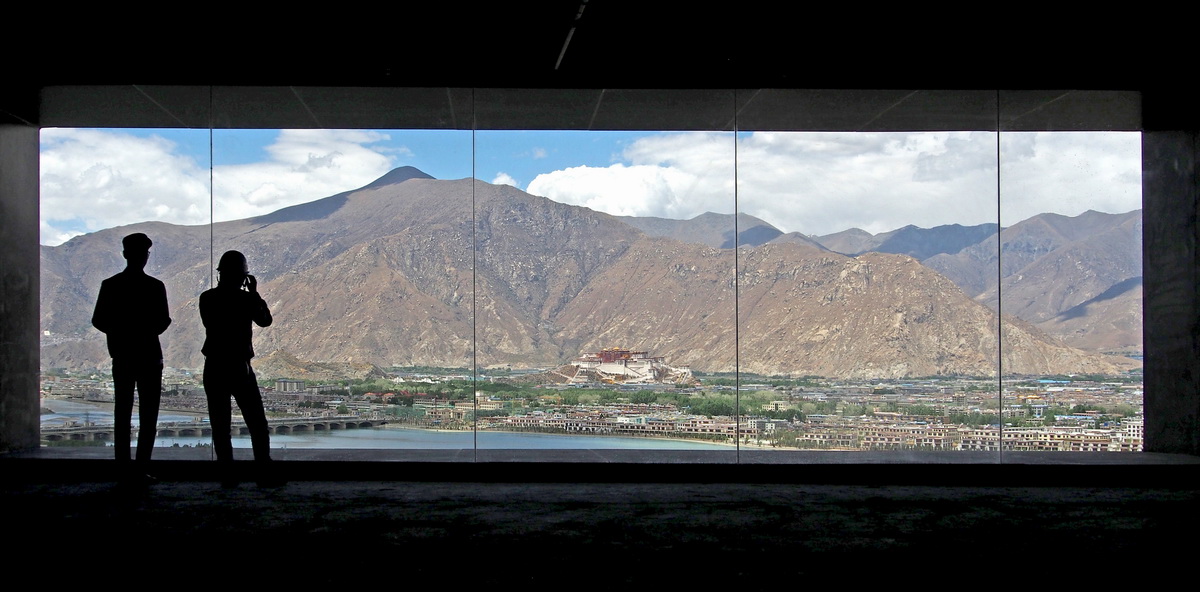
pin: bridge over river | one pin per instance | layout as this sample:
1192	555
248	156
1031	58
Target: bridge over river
289	425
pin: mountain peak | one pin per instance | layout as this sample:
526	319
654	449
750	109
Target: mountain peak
325	206
398	175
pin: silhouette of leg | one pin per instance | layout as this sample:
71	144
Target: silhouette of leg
217	391
124	377
149	390
249	400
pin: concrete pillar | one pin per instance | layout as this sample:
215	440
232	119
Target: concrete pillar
20	263
1172	291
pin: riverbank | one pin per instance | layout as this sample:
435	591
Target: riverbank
80	411
51	405
394	426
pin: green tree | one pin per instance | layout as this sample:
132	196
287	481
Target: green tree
923	410
710	406
1124	410
644	397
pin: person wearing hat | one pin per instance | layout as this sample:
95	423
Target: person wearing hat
228	310
131	311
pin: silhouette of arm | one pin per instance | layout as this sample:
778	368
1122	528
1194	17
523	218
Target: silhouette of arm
162	314
102	316
262	314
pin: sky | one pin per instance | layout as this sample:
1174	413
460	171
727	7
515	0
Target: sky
815	183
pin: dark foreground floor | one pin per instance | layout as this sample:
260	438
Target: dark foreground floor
343	525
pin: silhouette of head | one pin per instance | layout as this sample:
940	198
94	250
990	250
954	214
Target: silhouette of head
136	242
233	266
136	249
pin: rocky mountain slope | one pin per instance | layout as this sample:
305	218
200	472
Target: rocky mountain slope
415	271
921	243
722	231
1076	278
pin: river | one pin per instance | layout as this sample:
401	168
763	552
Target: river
382	438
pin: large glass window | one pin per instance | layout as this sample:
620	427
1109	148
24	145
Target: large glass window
626	287
606	289
1070	269
855	332
98	185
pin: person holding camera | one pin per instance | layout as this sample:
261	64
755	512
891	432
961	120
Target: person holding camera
228	310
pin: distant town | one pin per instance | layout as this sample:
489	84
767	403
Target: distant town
632	394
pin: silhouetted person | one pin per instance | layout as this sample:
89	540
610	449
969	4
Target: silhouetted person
131	310
228	311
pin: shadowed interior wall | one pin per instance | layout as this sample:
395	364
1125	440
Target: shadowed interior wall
19	288
1171	325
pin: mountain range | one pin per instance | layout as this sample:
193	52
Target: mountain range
411	270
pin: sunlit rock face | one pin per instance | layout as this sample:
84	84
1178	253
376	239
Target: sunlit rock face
415	271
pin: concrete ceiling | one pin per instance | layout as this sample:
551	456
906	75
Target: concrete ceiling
579	64
244	107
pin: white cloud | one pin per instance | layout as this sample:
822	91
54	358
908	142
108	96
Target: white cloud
505	179
55	236
94	179
815	183
304	165
820	183
638	190
1072	172
668	176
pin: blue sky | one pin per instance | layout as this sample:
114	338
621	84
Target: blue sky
814	183
443	154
